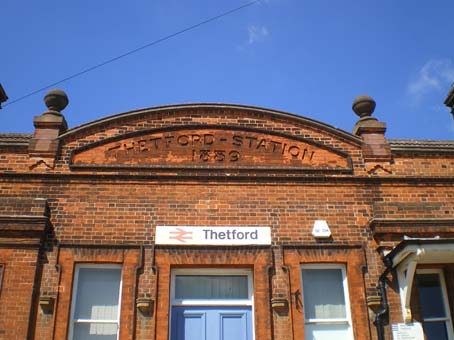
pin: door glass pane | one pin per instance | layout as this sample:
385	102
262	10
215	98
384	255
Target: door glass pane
98	291
327	332
430	296
211	287
435	330
95	331
323	294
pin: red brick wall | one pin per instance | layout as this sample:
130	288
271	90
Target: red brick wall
16	297
107	215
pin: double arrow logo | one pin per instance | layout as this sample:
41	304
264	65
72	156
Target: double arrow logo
180	235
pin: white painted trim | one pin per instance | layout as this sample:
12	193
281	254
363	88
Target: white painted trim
348	319
327	321
405	274
427	253
74	297
96	321
447	320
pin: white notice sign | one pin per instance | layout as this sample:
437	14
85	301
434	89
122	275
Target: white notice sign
407	331
215	236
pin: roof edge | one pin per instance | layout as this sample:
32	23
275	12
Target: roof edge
15	139
421	145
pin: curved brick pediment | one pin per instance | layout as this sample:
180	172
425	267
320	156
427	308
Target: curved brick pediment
209	136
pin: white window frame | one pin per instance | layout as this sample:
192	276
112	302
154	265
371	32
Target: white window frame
444	294
212	302
73	321
348	319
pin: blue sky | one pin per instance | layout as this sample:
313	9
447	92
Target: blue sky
308	57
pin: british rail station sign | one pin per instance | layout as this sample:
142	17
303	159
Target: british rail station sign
215	236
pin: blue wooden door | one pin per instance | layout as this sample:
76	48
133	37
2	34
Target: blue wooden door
211	323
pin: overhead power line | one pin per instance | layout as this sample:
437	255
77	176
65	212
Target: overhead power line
155	42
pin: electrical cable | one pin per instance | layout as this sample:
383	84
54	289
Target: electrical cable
155	42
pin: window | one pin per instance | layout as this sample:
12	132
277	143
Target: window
434	306
95	311
326	304
211	286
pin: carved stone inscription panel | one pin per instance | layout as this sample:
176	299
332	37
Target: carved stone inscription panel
210	147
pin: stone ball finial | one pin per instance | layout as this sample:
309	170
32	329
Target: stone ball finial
56	100
363	106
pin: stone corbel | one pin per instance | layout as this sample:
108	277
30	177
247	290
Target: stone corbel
145	304
279	304
46	303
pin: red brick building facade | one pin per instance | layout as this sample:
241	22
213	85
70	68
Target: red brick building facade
80	256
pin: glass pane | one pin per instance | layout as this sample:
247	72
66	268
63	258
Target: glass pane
98	291
430	296
95	331
326	332
435	330
323	294
211	287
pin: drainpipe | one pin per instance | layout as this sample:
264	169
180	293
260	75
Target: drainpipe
384	312
154	295
137	270
58	268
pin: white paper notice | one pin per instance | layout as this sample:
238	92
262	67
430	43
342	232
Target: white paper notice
407	331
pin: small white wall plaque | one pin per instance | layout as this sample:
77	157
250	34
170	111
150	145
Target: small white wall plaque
321	229
407	331
215	236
